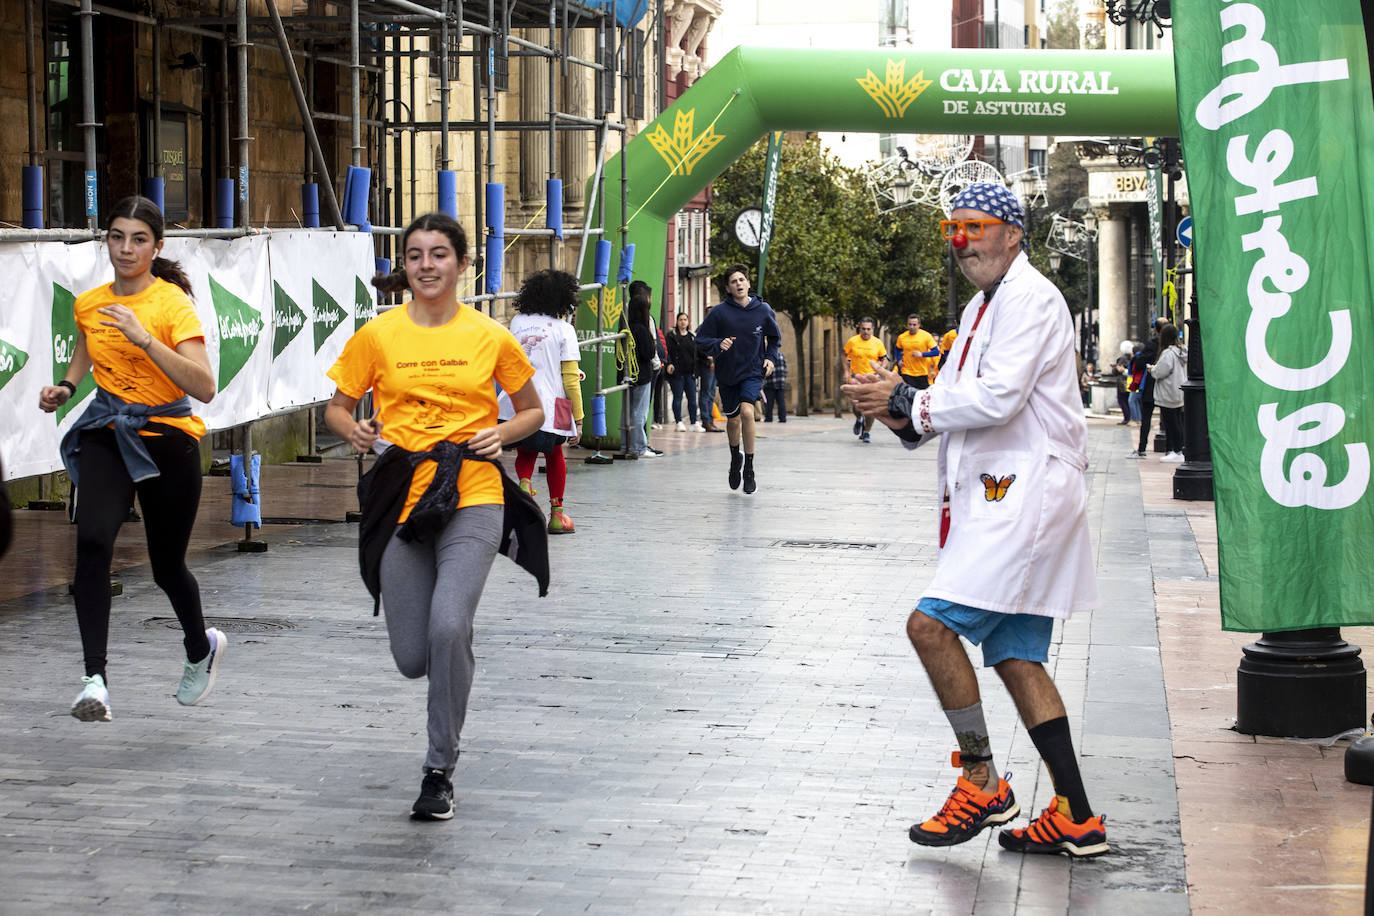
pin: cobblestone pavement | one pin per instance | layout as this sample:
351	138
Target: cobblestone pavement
714	710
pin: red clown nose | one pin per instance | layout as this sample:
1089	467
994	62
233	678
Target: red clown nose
959	241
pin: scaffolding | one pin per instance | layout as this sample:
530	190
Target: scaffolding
383	45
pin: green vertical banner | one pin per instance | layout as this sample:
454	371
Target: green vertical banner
1154	209
1278	126
770	197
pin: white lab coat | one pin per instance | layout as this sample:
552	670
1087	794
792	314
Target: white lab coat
1014	409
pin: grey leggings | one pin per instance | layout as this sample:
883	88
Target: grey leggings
430	593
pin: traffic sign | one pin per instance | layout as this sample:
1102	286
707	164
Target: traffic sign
1185	232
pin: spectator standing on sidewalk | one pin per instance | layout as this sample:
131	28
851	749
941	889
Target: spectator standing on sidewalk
640	374
141	336
775	387
682	371
1169	373
1121	374
862	353
1145	357
706	392
546	299
1014	547
430	365
743	336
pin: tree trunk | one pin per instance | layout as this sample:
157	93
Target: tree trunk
804	387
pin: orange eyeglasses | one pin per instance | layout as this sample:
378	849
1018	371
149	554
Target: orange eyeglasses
971	228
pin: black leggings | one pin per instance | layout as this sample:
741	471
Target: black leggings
1147	410
1171	418
169	503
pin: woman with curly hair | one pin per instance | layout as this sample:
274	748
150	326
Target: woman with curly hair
546	300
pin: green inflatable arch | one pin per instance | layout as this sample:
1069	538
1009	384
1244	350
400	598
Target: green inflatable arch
752	91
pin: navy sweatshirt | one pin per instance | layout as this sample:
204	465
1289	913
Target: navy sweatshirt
756	333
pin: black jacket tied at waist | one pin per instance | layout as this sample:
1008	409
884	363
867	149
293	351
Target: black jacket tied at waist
382	495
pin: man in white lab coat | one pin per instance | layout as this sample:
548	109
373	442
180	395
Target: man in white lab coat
1014	549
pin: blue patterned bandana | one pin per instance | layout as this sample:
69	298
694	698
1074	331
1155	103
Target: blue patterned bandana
994	200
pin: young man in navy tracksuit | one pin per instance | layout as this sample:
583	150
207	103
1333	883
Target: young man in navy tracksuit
742	334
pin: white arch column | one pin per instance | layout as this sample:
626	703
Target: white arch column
1113	291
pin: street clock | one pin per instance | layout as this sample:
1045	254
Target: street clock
749	227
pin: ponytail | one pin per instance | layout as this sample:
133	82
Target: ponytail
171	271
394	282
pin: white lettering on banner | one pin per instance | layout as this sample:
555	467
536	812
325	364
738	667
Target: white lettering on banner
329	316
1288	273
63	346
1241	93
286	319
1304	428
1276	151
237	327
1279	267
1030	82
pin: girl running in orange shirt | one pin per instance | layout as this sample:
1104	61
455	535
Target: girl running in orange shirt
145	343
430	366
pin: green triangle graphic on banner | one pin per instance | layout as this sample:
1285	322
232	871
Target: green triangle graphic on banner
328	314
64	345
12	359
364	304
240	326
287	319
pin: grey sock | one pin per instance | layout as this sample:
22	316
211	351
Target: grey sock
971	731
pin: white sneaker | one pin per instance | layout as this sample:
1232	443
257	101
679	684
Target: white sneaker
648	454
93	703
1172	457
198	678
655	425
681	427
698	428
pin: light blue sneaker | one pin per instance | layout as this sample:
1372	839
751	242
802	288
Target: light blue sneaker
93	703
198	678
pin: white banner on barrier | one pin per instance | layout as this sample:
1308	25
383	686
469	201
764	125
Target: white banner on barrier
315	277
234	284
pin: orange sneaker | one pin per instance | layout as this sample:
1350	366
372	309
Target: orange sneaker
966	812
1054	831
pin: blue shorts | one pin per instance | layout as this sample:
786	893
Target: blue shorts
1002	636
734	394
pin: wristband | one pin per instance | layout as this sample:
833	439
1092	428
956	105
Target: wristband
899	402
67	385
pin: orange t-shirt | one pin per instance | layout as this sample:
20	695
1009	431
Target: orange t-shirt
124	369
432	384
863	354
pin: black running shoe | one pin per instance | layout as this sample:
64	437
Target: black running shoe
736	463
749	485
436	798
858	425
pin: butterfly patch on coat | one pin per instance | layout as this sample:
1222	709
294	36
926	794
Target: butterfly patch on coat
995	489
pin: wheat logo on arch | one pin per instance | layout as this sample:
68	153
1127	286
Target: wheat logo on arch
606	303
896	94
682	150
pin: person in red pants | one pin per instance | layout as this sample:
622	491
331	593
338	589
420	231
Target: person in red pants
546	300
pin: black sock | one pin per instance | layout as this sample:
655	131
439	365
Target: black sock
1055	744
749	460
734	451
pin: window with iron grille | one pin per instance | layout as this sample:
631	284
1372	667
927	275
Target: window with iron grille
433	58
496	56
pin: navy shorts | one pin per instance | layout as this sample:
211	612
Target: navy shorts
540	441
732	395
1002	636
